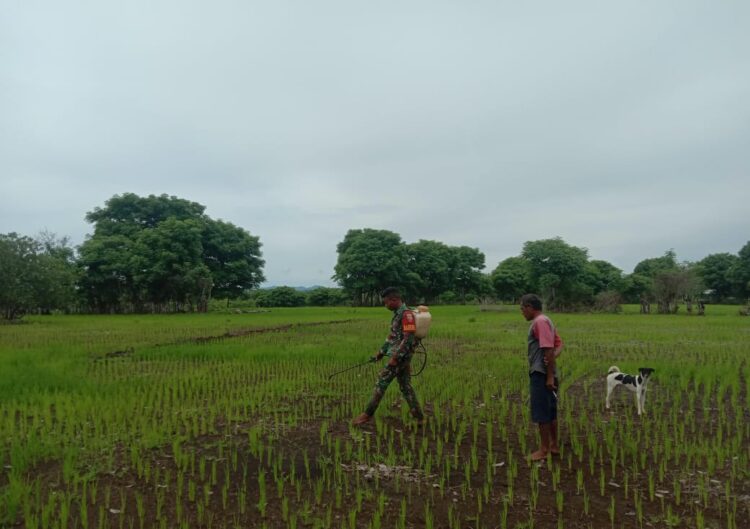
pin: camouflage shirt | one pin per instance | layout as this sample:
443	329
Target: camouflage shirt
401	340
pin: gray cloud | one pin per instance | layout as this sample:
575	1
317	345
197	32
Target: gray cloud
622	128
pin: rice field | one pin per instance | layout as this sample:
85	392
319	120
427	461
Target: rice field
231	420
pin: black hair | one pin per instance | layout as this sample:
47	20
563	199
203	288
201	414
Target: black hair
532	300
390	292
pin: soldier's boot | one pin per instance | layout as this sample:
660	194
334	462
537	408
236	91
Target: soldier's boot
544	434
361	419
554	448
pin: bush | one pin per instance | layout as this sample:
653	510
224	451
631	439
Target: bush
608	301
280	297
326	297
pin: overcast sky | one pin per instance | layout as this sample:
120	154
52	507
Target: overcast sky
621	127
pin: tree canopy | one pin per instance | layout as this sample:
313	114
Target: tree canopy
35	274
739	274
716	272
511	279
561	273
557	269
163	253
370	260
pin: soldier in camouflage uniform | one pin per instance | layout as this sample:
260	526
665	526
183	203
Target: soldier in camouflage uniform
399	346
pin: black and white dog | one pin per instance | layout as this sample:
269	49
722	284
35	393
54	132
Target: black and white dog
636	384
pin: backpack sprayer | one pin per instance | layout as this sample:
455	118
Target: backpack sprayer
423	319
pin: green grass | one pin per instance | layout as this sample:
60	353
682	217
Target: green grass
175	432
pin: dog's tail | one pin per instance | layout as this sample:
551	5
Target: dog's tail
613	369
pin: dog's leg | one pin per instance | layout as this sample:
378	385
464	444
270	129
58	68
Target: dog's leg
638	400
643	400
609	392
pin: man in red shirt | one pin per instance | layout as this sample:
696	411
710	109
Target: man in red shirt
544	346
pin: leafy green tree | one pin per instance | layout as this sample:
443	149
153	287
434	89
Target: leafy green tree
636	287
107	273
326	297
34	275
670	286
128	214
17	269
715	271
163	252
232	256
511	278
652	266
602	276
57	274
280	297
370	260
557	269
740	272
466	265
168	265
431	262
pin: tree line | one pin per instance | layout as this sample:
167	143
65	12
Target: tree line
569	280
146	254
164	254
563	274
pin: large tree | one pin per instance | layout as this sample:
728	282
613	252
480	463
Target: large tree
466	278
164	253
168	267
557	269
431	262
603	276
35	275
715	271
670	286
740	272
233	258
512	278
370	260
653	265
17	269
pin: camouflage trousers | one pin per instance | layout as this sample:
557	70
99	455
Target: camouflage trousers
402	373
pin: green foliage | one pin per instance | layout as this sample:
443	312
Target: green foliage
672	285
558	270
636	287
233	258
326	297
663	280
431	262
370	260
280	297
163	253
512	278
740	272
35	275
652	266
466	275
17	263
715	270
602	276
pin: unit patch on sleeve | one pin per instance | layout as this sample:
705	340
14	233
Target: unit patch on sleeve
408	322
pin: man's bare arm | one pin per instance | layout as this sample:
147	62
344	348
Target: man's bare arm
549	361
